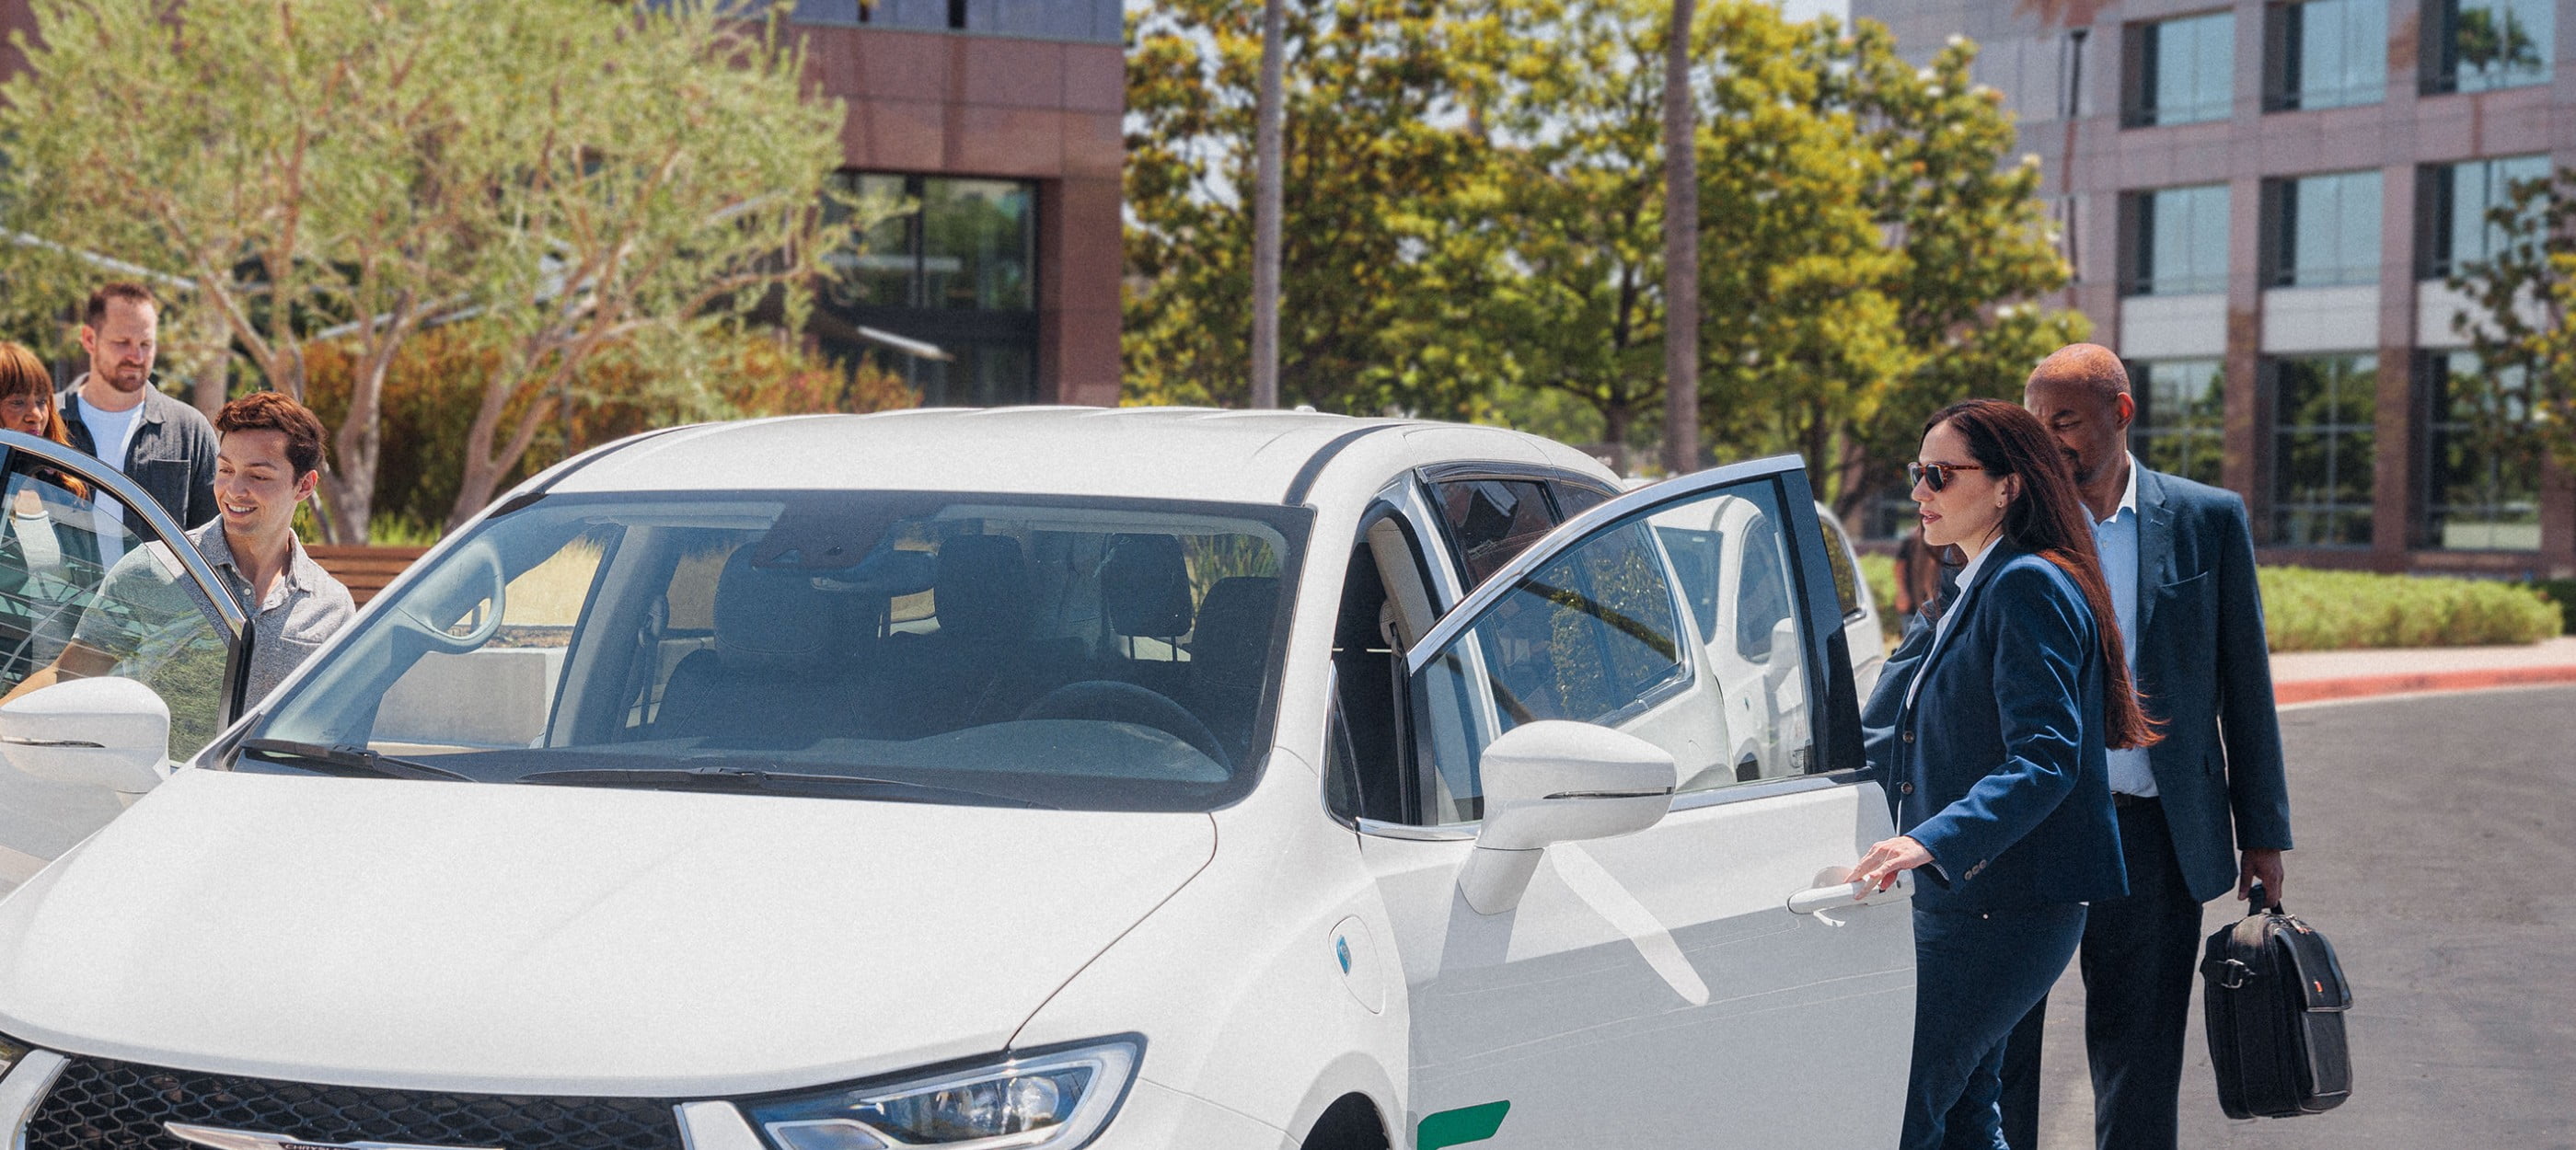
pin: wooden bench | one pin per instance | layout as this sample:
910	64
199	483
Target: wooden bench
365	570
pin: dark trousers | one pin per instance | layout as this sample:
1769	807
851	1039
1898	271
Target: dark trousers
2137	961
1975	975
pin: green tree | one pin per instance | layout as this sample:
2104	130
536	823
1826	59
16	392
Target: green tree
1974	248
1800	337
1572	241
1381	153
556	178
2520	295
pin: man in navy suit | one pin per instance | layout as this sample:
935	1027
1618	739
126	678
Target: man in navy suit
2206	808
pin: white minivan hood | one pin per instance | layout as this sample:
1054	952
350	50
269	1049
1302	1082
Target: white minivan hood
531	939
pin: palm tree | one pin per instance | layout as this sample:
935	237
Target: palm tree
1681	251
1268	115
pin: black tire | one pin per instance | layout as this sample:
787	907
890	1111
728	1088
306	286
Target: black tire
1351	1123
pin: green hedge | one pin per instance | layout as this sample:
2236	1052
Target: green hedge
2561	592
2311	610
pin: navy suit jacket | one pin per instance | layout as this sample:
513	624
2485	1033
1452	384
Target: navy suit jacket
2205	673
1997	768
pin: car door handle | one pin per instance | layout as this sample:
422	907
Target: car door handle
1847	894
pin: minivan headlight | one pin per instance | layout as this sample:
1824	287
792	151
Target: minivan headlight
1050	1100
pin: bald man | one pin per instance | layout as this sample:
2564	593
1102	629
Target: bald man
2204	810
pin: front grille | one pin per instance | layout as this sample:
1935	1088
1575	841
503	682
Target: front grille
100	1104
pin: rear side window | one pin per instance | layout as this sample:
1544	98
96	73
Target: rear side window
1491	520
1838	555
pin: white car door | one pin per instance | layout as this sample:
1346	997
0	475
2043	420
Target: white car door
1655	989
61	532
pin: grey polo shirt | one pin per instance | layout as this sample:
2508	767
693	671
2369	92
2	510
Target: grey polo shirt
304	607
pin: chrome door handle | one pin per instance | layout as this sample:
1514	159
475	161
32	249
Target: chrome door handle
1847	894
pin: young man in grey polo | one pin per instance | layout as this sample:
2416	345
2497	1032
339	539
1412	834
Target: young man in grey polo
268	459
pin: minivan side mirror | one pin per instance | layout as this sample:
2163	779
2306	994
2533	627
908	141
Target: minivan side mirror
1554	781
107	732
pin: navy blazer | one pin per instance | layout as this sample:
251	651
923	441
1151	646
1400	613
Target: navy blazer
1997	768
2204	671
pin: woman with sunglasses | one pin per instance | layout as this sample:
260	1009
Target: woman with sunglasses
1995	763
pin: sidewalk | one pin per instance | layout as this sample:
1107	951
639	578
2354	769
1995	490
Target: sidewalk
2317	676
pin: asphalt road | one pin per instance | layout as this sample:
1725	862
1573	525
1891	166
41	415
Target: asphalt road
2433	834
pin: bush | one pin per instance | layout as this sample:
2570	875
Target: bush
1879	571
2311	610
2561	592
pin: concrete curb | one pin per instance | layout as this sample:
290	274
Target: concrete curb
2365	686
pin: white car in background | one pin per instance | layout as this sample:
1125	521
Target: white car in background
1036	778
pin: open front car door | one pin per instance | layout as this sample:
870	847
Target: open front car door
119	649
1637	751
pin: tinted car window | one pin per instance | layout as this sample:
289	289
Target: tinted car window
1491	520
1574	499
1592	637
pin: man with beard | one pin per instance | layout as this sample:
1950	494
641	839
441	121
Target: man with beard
2180	562
115	412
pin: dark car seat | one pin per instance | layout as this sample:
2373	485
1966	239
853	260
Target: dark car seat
1145	591
1230	657
980	665
770	674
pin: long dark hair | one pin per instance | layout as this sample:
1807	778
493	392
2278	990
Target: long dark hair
2048	519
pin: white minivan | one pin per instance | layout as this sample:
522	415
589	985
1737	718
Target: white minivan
1031	778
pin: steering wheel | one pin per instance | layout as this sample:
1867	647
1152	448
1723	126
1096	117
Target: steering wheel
464	579
1109	700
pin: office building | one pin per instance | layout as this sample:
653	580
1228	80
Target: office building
2261	200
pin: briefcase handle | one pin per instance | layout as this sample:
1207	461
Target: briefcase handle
2259	900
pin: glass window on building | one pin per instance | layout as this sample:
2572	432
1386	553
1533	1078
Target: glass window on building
2484	475
979	244
943	292
2457	198
2325	230
2182	71
2479	45
2178	241
2181	424
1099	21
2324	424
2327	54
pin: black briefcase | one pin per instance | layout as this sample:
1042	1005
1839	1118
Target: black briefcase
2275	999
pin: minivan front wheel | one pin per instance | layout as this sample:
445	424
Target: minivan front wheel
1350	1123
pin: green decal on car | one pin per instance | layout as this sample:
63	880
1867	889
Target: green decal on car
1457	1127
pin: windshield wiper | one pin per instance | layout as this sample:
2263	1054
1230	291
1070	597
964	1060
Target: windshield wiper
350	759
754	779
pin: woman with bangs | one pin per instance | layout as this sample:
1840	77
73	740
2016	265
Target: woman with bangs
47	555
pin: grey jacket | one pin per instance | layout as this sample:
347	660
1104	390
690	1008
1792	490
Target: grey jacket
172	457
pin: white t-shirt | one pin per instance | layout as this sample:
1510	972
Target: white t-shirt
113	432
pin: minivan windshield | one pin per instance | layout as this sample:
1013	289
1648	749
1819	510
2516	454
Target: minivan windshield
1089	654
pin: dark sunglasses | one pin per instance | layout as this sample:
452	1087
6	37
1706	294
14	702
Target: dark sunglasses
1937	474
